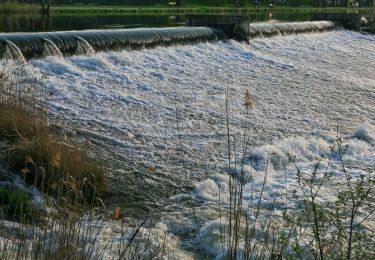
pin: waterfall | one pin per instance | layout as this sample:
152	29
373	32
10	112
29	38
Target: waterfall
34	45
83	47
11	51
272	29
50	49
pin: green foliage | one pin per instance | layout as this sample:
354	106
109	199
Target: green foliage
16	204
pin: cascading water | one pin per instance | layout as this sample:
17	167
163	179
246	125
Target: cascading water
50	49
34	45
11	51
271	29
83	47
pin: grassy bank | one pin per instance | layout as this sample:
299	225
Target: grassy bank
165	10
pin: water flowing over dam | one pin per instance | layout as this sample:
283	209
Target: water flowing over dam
272	29
37	45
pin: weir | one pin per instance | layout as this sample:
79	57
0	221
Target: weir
36	45
204	28
240	27
272	29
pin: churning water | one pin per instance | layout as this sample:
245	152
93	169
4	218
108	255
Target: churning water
140	109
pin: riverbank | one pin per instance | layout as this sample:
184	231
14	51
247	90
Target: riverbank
163	10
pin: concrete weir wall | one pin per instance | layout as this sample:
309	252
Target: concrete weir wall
235	27
238	27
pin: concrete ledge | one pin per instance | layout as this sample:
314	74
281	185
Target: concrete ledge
236	27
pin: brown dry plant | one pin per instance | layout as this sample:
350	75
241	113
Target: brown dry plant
248	100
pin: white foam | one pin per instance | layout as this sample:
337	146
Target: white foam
211	237
366	132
